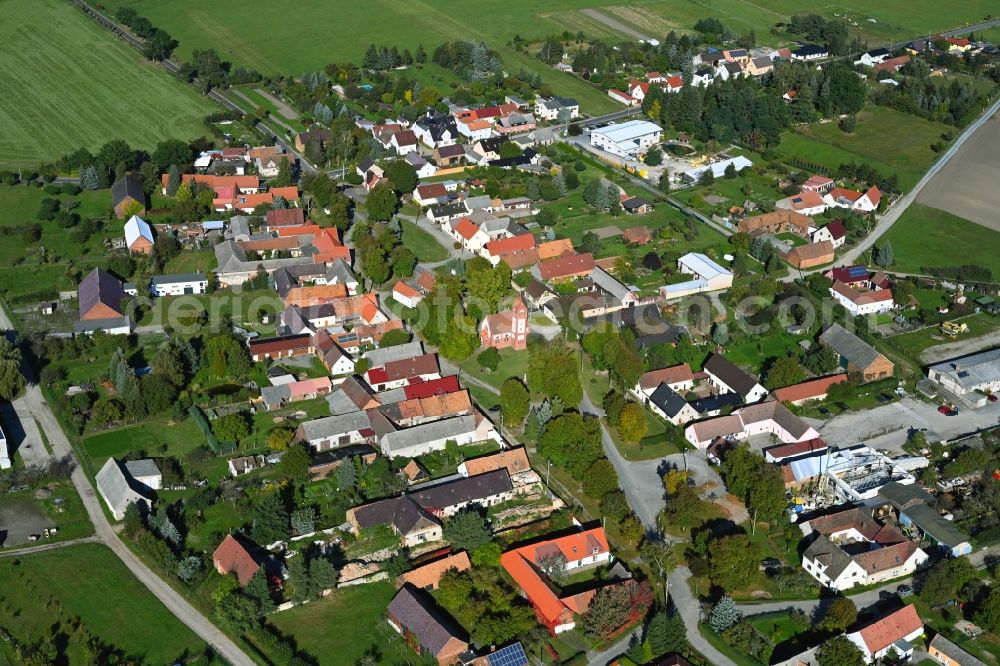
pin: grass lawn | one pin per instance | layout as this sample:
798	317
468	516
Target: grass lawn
512	364
914	343
929	237
191	262
661	439
778	627
47	588
754	350
891	141
156	437
75	85
243	307
359	612
425	246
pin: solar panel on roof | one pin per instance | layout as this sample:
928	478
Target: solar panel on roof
857	271
512	655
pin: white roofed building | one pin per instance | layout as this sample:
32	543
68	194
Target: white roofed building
138	236
629	139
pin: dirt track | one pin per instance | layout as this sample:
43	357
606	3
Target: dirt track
967	186
948	350
613	23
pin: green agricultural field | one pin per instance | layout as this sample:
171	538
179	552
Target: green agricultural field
276	42
891	141
425	246
47	590
926	237
74	84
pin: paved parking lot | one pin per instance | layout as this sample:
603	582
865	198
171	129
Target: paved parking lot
22	433
887	427
18	520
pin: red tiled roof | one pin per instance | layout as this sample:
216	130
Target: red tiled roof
432	191
808	389
567	266
232	556
781	451
861	297
520	564
405	290
672	375
432	387
286	217
466	228
511	244
280	344
891	628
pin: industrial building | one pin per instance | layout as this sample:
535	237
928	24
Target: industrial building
629	139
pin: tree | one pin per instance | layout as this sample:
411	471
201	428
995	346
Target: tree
381	203
766	499
720	333
303	520
237	612
295	463
284	177
839	615
660	558
232	427
610	609
402	176
599	479
514	401
840	651
730	171
279	439
654	157
226	357
882	254
821	360
347	476
188	567
375	263
322	574
489	358
11	379
632	424
724	614
467	530
943	581
270	520
89	178
734	561
509	149
403	261
395	337
631	529
988	615
572	442
259	590
785	371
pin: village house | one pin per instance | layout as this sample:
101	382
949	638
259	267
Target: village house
548	108
275	397
427	576
433	436
582	549
856	355
127	197
872	57
819	184
777	222
725	377
806	202
677	377
862	202
236	556
851	548
835	232
179	284
812	389
894	632
862	302
138	236
118	489
449	155
763	418
943	651
809	52
398	373
416	618
566	267
284	346
100	297
810	255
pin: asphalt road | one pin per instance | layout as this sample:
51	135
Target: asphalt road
105	532
887	426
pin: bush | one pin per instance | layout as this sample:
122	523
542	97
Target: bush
354	178
489	358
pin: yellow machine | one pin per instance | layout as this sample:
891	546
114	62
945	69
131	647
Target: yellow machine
952	329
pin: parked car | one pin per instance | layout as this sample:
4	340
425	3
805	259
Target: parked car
842	406
944	409
883	398
904	590
824	411
992	398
